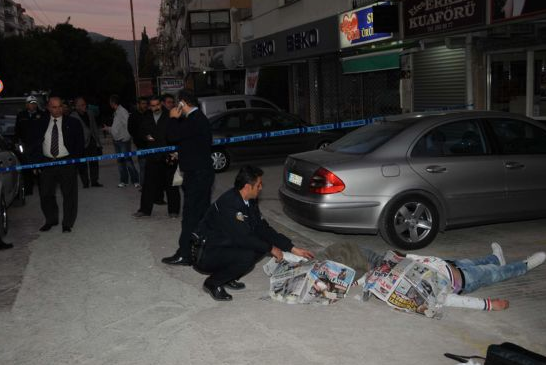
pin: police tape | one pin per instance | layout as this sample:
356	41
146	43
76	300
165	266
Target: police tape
216	142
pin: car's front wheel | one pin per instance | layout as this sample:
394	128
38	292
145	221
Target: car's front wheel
220	160
410	222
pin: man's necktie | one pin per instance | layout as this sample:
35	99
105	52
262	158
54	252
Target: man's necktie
55	139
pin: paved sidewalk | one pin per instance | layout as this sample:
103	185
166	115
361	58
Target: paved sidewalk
101	295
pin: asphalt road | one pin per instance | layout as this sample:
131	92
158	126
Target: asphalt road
100	295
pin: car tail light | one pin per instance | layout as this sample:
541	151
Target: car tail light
325	182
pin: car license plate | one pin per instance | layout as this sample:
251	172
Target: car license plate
295	179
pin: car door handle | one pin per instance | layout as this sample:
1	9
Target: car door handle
514	165
434	169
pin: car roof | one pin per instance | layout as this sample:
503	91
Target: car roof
438	116
239	110
14	99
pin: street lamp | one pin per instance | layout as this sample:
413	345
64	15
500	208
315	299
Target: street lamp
137	84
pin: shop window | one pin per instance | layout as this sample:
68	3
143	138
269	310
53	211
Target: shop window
539	95
210	28
508	80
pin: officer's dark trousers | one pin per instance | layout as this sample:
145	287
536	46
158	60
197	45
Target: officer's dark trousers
90	170
197	187
66	177
227	263
156	173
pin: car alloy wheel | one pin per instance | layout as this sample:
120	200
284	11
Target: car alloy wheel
220	161
323	145
411	222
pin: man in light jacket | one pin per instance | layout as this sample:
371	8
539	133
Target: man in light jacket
122	144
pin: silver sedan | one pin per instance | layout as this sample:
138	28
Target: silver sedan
410	176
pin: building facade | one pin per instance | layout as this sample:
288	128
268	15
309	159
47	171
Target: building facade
199	41
13	19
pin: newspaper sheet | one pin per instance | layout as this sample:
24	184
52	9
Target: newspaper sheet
406	284
321	282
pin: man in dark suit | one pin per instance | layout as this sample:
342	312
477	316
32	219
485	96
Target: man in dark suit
58	137
193	135
160	168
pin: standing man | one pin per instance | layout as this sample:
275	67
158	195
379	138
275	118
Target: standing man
26	121
122	143
134	125
238	236
167	101
92	143
57	137
154	130
194	138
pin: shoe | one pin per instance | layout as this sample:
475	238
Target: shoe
217	292
5	246
46	227
535	260
497	251
122	185
137	185
160	202
235	285
67	229
176	260
173	215
97	185
140	214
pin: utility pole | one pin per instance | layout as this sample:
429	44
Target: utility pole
137	85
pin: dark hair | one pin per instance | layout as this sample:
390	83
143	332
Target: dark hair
247	175
156	98
165	97
142	98
187	97
114	99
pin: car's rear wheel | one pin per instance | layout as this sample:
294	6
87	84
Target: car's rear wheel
3	217
21	194
410	222
220	160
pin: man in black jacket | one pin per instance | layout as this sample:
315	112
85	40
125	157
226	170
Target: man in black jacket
159	167
193	135
57	137
134	124
237	236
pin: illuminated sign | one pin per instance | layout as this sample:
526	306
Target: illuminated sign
356	27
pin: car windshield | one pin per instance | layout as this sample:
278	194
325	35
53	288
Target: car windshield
11	108
367	138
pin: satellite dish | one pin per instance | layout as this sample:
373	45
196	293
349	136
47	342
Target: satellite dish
232	56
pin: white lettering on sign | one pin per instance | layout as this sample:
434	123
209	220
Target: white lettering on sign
302	40
263	49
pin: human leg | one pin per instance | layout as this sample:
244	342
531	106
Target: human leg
69	190
130	165
122	167
173	192
141	168
226	264
149	187
48	201
478	276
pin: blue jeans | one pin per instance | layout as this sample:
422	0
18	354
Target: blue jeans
486	270
126	164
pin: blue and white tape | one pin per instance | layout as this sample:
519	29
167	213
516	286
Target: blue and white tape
216	142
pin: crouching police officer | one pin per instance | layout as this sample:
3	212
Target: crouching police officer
237	236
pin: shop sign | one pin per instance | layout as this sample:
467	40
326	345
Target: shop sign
356	27
503	10
263	49
302	40
423	17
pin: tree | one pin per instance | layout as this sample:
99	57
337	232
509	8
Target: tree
143	49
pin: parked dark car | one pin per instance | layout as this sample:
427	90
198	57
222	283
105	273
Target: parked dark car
414	175
11	183
240	122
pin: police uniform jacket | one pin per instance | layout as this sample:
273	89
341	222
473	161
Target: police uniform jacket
229	222
24	125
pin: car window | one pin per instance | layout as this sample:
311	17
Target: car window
235	104
230	122
453	139
11	108
366	139
519	137
278	121
261	104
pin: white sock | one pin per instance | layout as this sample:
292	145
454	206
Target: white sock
497	251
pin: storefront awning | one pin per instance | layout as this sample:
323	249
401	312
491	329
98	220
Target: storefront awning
377	61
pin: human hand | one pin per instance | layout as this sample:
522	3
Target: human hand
499	304
302	252
150	138
175	113
276	253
